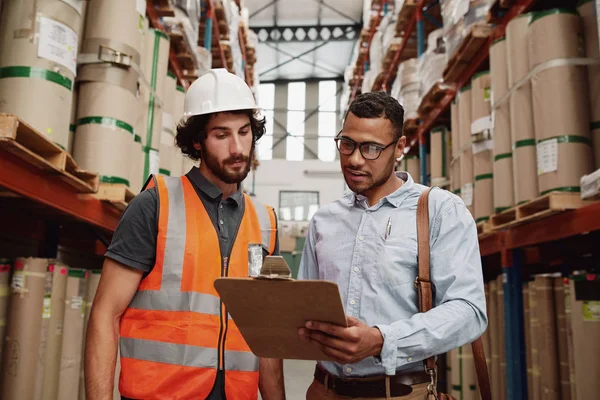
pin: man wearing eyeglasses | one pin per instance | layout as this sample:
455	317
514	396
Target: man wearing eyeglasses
367	244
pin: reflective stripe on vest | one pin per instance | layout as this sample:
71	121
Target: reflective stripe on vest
175	317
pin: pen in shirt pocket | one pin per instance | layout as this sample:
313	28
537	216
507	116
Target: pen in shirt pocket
388	228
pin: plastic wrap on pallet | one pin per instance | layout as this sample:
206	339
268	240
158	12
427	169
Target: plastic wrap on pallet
376	54
389	36
368	80
410	100
458	16
183	24
590	185
432	63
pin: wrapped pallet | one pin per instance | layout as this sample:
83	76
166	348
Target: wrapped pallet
4	297
432	63
585	325
409	87
24	328
588	12
440	156
38	62
564	148
459	17
71	357
503	156
53	315
521	111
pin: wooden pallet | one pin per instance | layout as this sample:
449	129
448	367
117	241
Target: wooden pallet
541	207
484	229
410	126
118	194
437	92
409	7
478	35
164	8
20	139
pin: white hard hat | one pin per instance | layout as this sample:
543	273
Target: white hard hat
217	90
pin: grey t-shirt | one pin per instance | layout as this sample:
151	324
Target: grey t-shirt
134	240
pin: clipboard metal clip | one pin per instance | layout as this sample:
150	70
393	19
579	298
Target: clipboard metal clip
275	268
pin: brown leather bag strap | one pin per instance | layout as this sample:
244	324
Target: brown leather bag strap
425	293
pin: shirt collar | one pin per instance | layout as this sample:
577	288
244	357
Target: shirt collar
210	189
395	199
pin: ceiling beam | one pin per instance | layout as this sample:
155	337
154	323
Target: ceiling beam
263	8
321	67
307	33
340	13
293	59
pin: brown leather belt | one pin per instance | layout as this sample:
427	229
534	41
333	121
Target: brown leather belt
400	385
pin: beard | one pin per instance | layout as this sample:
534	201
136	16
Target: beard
220	169
372	182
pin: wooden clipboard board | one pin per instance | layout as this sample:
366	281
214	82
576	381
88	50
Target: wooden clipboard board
268	313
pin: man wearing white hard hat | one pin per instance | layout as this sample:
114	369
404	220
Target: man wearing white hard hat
175	238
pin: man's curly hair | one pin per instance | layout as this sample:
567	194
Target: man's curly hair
193	130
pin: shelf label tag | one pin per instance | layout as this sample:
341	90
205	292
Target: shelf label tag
58	43
591	311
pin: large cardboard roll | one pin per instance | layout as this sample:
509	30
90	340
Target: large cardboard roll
455	130
116	25
92	287
413	167
484	185
455	176
527	335
564	30
104	138
71	357
546	338
455	388
494	370
5	268
567	158
503	182
501	336
562	337
587	10
469	376
464	117
585	325
466	179
517	48
534	327
440	154
525	171
23	332
178	104
167	152
38	48
137	165
481	122
499	68
53	315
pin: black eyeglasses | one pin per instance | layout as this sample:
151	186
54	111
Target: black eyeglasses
369	151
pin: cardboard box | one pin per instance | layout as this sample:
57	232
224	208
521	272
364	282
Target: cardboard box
24	329
53	314
562	336
535	354
527	331
546	338
70	362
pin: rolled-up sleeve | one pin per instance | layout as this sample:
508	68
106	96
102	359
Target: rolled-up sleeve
309	268
459	313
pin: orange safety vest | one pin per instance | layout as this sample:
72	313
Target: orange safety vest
176	333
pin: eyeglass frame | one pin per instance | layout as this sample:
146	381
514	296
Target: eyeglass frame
358	145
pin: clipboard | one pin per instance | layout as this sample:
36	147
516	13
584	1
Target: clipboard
269	309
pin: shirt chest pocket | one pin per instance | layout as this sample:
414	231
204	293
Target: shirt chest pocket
397	265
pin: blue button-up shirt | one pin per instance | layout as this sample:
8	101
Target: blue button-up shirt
346	244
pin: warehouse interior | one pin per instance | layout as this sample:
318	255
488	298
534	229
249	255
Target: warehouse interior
501	106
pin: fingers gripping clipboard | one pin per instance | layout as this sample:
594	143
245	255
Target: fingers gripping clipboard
269	309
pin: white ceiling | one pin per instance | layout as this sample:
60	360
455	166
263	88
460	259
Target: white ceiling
328	61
